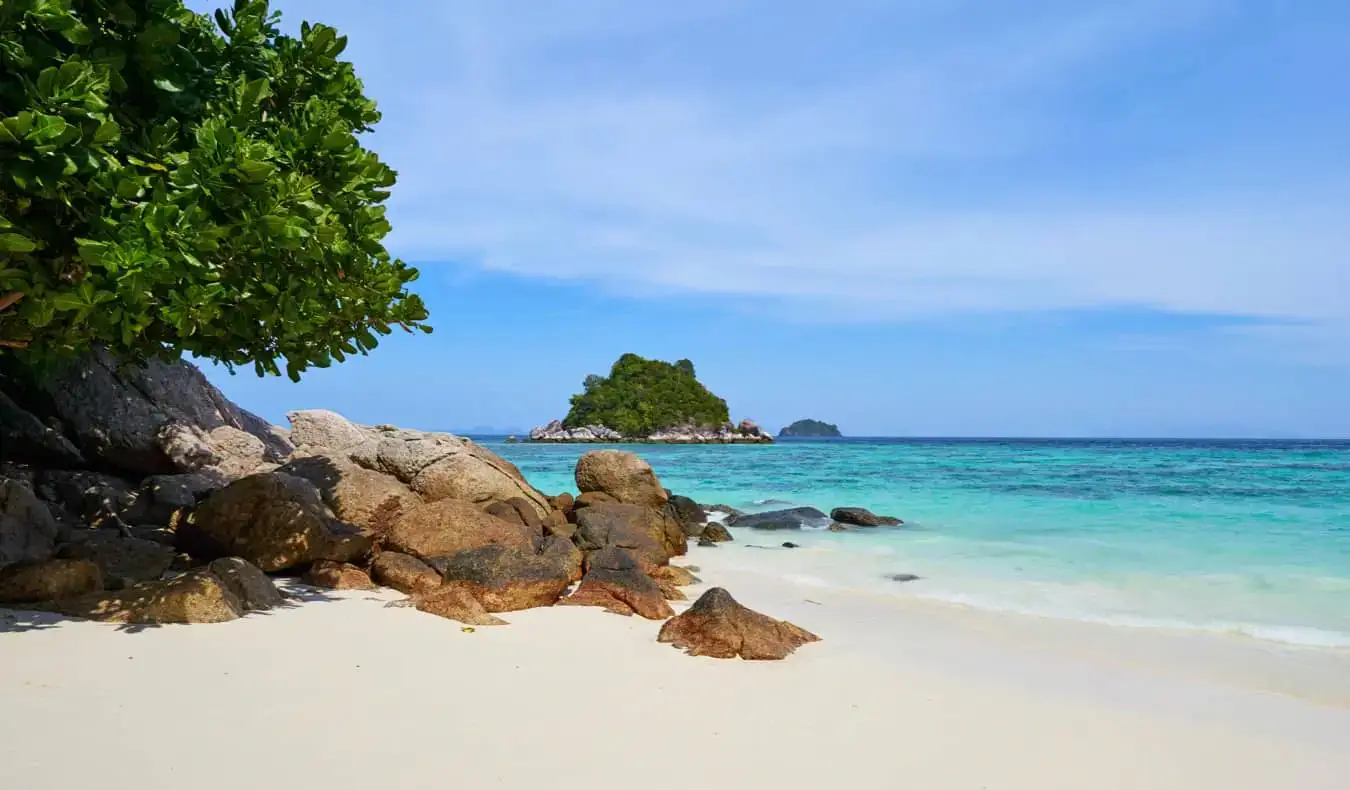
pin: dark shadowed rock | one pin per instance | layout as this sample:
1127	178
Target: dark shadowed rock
255	591
593	498
93	498
27	530
557	524
862	517
337	576
275	521
729	512
615	582
447	526
563	502
455	601
903	577
566	554
505	579
719	627
404	573
640	530
356	495
163	499
791	518
47	580
622	475
130	560
25	438
197	596
787	544
691	514
715	533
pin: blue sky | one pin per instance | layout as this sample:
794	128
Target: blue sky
949	217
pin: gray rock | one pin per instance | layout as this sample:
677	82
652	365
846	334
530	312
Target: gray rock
322	428
792	518
690	514
28	532
862	517
131	560
23	437
903	577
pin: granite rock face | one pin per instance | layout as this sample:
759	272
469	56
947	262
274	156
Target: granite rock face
28	532
719	627
615	582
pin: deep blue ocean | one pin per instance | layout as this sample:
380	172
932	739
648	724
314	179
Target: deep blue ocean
1251	537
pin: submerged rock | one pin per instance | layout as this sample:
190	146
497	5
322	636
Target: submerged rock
791	518
862	517
719	627
903	577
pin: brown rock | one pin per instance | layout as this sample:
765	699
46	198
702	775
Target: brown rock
275	521
622	475
615	582
255	591
359	496
449	526
557	524
455	601
195	597
337	576
504	512
404	573
837	527
505	579
862	517
670	592
717	626
563	502
715	532
676	575
566	553
46	580
130	559
525	510
592	498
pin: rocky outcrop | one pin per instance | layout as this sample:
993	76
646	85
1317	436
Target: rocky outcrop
643	531
691	516
28	532
197	596
676	575
506	579
622	475
566	554
404	573
791	518
47	580
615	581
449	525
320	428
122	559
275	521
719	627
862	517
337	576
359	496
598	434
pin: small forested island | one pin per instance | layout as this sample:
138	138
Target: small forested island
648	400
812	428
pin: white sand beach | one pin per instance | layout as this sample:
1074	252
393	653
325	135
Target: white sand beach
343	691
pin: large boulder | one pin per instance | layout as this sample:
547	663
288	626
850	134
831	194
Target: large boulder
126	560
506	579
359	496
715	532
141	419
455	601
622	475
254	589
449	525
319	428
48	580
162	499
564	552
275	521
690	515
862	517
404	573
23	437
791	518
615	582
719	627
28	532
197	596
643	531
337	576
443	466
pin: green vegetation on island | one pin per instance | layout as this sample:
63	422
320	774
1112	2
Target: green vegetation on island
814	428
172	182
642	396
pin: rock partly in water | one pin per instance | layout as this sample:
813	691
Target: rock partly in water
447	526
715	533
506	579
337	576
48	580
615	581
719	627
622	475
791	518
404	573
691	517
28	532
787	544
862	517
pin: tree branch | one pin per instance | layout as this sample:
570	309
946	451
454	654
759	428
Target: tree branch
13	344
10	299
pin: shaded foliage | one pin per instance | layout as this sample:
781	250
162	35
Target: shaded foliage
642	396
171	182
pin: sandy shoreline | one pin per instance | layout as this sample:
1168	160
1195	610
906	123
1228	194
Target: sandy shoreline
343	691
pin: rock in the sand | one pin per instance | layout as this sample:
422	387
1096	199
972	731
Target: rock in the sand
566	554
404	573
255	591
359	496
275	521
719	627
680	577
27	530
447	526
622	475
197	596
903	577
48	580
505	579
787	544
130	560
337	576
690	515
615	582
862	517
455	601
670	591
642	530
707	543
715	533
791	518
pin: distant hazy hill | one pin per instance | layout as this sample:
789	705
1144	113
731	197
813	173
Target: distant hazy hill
810	428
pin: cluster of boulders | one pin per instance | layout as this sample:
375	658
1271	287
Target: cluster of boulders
147	497
838	520
745	432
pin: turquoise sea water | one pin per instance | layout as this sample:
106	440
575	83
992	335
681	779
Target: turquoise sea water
1248	537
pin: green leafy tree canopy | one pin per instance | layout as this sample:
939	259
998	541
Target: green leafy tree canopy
642	396
172	182
810	428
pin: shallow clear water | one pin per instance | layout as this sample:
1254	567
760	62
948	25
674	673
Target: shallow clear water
1251	537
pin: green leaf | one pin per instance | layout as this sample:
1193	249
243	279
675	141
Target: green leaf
255	91
13	242
107	132
166	84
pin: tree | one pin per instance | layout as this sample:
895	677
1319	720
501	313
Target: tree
642	396
170	184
